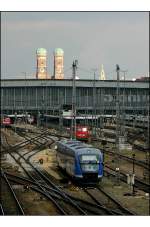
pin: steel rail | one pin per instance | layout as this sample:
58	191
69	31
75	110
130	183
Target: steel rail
62	193
98	202
2	210
138	162
138	183
57	194
121	207
13	193
40	186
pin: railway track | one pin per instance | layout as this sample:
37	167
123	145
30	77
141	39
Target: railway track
16	204
80	205
52	192
21	144
88	207
98	195
46	133
38	176
120	210
138	182
1	210
123	176
124	157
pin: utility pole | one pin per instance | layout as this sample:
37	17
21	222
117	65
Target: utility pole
73	121
123	113
147	154
25	99
117	127
38	119
101	110
46	103
61	111
94	105
133	175
15	121
148	126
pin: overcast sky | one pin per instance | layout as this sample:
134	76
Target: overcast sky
93	38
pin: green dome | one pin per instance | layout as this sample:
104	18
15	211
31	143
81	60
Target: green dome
58	51
41	51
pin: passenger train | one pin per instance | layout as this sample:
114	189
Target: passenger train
80	161
6	121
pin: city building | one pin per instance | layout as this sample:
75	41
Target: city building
58	64
41	69
143	78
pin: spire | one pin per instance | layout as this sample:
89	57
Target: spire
102	74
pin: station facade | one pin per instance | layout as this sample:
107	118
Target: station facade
48	96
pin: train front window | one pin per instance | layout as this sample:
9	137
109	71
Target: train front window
89	163
89	158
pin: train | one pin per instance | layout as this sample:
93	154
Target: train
6	121
82	132
80	161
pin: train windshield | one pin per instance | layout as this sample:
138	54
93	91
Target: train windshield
89	158
89	163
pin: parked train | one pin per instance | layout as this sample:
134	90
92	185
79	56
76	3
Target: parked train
80	161
82	132
6	121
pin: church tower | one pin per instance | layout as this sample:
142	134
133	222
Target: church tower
58	64
41	69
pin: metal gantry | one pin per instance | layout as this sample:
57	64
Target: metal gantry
94	106
60	112
123	109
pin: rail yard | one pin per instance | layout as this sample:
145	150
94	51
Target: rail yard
74	119
34	184
75	147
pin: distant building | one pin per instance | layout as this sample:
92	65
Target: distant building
143	78
102	74
41	69
58	64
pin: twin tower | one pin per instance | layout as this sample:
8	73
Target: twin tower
41	69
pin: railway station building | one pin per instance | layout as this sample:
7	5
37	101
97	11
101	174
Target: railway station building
47	96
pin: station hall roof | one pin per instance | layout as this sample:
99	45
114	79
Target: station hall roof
68	83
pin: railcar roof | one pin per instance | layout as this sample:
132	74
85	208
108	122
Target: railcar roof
79	147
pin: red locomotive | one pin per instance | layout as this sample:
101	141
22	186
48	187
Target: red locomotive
6	121
82	132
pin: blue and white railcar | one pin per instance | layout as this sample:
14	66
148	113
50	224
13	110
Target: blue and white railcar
79	160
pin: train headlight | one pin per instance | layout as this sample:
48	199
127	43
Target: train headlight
84	129
55	147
